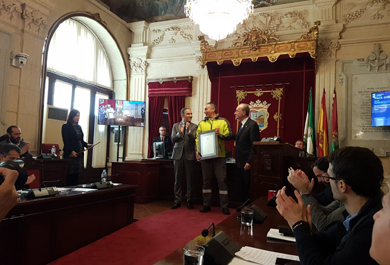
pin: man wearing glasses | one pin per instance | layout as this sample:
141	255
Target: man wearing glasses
356	176
325	210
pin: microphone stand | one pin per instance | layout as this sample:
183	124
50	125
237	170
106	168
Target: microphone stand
248	201
47	181
205	232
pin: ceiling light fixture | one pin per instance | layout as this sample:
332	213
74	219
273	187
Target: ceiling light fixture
218	18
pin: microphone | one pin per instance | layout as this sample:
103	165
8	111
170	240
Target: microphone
47	181
269	133
243	205
205	232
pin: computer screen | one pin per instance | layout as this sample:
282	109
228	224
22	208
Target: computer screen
159	149
121	112
380	109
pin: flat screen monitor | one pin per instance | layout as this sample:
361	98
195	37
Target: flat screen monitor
380	109
159	149
121	112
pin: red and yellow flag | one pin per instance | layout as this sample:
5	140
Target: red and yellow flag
335	128
322	130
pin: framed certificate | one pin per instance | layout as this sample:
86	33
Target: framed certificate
208	144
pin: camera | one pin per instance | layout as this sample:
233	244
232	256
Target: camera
19	59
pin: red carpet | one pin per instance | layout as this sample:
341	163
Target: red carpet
146	241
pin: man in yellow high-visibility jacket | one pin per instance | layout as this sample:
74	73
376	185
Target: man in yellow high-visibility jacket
217	165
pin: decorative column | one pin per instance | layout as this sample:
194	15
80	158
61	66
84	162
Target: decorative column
201	93
138	53
326	76
201	86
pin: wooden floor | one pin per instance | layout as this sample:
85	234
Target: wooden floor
149	209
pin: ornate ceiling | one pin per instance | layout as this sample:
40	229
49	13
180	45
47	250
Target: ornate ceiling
160	10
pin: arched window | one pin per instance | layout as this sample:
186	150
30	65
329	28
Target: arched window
78	75
75	51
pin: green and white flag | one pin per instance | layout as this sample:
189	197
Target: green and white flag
308	132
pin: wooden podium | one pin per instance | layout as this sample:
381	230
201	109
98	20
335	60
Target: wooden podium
269	168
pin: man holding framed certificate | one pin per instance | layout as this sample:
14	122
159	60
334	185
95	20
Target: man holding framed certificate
211	135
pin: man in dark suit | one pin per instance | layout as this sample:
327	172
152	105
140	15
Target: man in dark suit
183	136
248	132
163	138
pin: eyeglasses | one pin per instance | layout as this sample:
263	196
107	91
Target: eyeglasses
328	177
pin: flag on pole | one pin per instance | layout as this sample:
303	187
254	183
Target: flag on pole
308	132
322	130
335	128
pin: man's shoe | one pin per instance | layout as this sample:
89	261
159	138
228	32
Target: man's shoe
205	209
176	205
190	205
225	211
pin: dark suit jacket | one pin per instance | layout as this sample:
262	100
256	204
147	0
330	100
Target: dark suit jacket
186	142
244	142
167	144
71	143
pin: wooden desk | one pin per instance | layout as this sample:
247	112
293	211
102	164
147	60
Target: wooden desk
143	174
155	179
50	169
241	235
269	167
38	231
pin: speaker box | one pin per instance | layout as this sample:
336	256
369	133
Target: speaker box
220	250
104	185
44	156
258	215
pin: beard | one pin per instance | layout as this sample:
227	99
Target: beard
14	140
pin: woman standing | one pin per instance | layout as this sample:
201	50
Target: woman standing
74	144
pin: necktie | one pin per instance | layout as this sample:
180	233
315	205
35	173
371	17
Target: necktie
239	128
185	128
162	139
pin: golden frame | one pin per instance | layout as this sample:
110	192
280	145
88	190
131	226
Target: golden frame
255	43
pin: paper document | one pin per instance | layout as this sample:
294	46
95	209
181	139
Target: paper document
260	256
83	189
274	233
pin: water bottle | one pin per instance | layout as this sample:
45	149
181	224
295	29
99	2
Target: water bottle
53	151
103	176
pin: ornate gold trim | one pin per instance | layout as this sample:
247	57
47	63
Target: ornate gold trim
277	94
256	43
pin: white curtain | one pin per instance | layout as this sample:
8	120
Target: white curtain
75	51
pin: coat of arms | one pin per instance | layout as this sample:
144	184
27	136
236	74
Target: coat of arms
259	113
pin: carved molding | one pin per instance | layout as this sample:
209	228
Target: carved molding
277	21
374	5
254	38
97	17
261	3
198	61
172	33
341	79
9	10
35	22
327	48
377	60
249	48
138	65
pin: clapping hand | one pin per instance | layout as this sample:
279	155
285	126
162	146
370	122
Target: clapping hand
291	210
300	181
25	149
8	195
